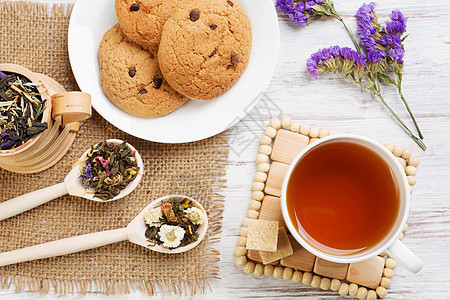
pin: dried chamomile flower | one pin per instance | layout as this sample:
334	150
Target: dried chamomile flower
195	215
153	217
170	235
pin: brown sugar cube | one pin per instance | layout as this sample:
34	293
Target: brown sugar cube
275	178
301	259
283	248
262	235
271	210
287	145
254	255
367	273
330	269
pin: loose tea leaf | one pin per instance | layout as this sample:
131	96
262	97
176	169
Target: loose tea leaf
109	168
21	110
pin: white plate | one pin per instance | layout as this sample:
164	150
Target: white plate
195	120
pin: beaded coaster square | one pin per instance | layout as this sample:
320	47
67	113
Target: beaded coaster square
281	142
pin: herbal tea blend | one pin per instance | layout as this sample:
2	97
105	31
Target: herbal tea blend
21	108
174	224
108	168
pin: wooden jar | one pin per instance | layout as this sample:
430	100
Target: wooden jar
63	112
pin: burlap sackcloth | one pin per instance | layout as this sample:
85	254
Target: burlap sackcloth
37	39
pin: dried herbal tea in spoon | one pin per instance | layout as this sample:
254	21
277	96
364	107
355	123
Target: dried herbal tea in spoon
21	109
108	169
173	224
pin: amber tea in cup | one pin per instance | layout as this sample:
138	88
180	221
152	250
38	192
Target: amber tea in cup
342	197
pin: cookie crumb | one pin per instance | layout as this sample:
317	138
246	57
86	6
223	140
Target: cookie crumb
194	15
134	7
132	72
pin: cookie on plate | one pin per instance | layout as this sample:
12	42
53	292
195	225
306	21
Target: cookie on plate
131	78
205	47
142	21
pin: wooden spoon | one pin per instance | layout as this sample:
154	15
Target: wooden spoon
134	232
71	185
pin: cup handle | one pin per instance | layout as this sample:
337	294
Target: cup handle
405	257
71	107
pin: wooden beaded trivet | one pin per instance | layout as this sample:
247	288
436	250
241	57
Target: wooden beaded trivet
282	141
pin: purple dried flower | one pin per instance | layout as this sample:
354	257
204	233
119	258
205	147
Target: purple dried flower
396	15
360	60
2	75
395	27
6	144
285	5
397	54
87	178
364	13
309	4
312	63
366	30
368	41
348	53
5	134
391	40
335	51
302	11
353	60
375	56
325	54
298	14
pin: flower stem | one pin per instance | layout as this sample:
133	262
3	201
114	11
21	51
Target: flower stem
399	87
350	33
338	17
376	91
418	141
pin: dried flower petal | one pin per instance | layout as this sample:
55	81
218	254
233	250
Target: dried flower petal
303	12
367	24
153	216
195	215
326	59
391	40
170	235
375	56
397	55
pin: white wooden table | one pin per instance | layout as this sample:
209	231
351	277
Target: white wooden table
335	103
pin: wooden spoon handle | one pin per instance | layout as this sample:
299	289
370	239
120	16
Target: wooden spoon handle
31	200
64	246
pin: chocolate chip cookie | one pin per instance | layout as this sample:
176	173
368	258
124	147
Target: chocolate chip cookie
205	47
142	20
131	78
